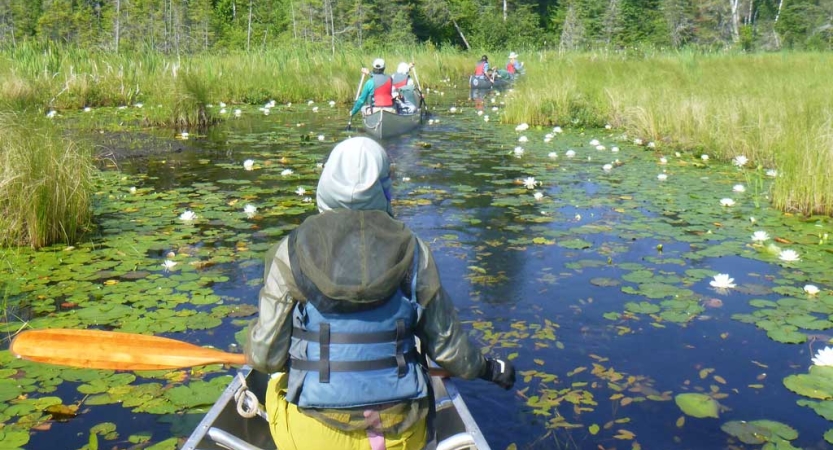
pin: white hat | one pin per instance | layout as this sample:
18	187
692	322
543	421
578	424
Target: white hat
403	68
356	176
513	55
378	63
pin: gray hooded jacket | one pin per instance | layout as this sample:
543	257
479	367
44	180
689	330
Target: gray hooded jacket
355	251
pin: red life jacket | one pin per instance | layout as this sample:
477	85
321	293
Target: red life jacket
510	68
402	83
382	93
479	70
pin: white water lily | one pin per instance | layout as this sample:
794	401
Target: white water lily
307	199
614	149
310	103
663	160
138	105
485	118
739	188
238	112
608	126
530	182
594	142
249	164
495	108
321	137
522	127
740	160
607	167
223	111
662	177
600	147
452	110
406	179
132	189
286	172
538	195
523	139
168	264
222	104
51	114
480	113
637	141
652	144
552	155
188	216
289	105
727	202
760	236
771	173
570	153
548	138
250	210
789	255
315	109
722	281
811	289
518	151
557	130
300	191
704	157
332	103
824	357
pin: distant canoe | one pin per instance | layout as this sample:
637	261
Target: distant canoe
384	124
485	83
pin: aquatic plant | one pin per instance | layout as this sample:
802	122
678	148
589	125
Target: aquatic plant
45	182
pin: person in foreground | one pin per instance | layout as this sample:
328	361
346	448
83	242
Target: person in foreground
345	296
377	91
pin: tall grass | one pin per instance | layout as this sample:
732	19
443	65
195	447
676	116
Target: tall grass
776	109
773	108
45	183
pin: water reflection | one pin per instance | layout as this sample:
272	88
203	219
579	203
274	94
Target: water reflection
556	282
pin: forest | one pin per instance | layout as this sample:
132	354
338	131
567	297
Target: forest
193	26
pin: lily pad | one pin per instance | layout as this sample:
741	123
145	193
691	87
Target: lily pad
698	405
759	431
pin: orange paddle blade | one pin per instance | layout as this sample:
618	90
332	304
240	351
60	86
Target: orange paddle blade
96	349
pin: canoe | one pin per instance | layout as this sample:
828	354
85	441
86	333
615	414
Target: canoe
485	83
224	428
384	124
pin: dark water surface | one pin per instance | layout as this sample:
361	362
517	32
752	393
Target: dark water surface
545	282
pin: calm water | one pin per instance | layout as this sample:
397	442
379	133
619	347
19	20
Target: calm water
534	279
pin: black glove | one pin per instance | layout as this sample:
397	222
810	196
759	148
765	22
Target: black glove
500	372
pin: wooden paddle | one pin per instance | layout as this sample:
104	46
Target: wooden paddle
97	349
358	92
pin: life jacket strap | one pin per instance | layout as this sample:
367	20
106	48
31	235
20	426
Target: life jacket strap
378	337
352	366
400	357
324	346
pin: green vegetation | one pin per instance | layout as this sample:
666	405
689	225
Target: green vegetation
775	109
45	183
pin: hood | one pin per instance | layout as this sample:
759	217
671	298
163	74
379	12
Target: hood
359	257
356	176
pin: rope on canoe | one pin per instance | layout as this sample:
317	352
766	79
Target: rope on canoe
247	404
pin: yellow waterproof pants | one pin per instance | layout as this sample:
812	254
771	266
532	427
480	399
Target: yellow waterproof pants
293	430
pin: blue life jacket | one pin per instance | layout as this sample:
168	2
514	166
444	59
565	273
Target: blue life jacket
355	356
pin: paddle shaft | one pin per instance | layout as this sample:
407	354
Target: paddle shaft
358	92
98	349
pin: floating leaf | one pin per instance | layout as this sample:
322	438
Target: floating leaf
697	405
759	431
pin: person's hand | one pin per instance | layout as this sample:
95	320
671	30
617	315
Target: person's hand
365	71
500	372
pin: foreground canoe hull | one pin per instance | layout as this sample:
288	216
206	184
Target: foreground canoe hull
384	124
223	428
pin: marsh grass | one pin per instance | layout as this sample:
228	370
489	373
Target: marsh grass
45	183
775	109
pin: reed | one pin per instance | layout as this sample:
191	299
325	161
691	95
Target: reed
775	109
45	183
